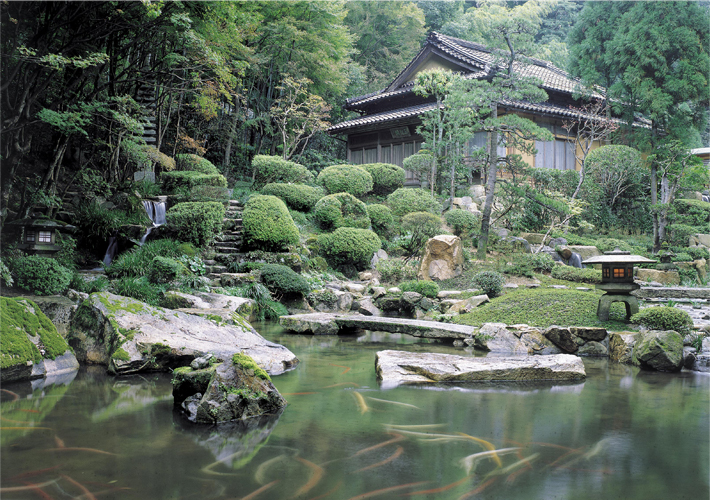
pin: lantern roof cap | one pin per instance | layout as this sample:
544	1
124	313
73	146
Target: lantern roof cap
618	257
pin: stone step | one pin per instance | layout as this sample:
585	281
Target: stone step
225	250
216	269
231	224
230	237
227	244
233	215
209	262
235	203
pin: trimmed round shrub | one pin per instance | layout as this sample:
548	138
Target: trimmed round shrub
462	222
267	224
268	169
196	222
188	179
283	280
195	163
570	273
346	179
664	318
490	282
407	200
419	227
41	275
297	196
380	218
349	246
386	177
610	244
341	210
426	288
164	270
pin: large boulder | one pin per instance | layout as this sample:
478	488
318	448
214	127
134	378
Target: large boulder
698	361
659	350
443	258
59	309
663	277
129	336
208	300
465	305
621	347
562	338
30	346
496	338
400	367
237	390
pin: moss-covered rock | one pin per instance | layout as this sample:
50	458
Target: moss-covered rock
659	350
30	346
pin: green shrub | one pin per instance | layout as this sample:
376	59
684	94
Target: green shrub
139	289
346	179
96	222
396	270
80	284
406	200
462	222
297	196
682	257
209	193
165	270
426	288
697	253
349	246
283	280
664	318
490	282
5	275
610	244
244	267
527	264
419	227
386	177
691	212
196	222
679	234
575	274
137	262
380	218
268	169
195	163
41	275
267	224
188	179
341	210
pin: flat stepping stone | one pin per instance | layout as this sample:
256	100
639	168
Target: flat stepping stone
402	367
331	324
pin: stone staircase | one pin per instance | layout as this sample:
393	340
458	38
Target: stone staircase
227	243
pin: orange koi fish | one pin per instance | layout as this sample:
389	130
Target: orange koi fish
397	437
387	460
316	476
384	491
259	491
438	490
347	368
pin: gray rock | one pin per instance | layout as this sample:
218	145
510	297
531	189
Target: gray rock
621	347
593	349
378	256
467	305
659	350
368	308
427	304
448	294
201	362
394	290
355	288
696	361
378	291
129	336
589	332
60	310
411	297
316	324
208	300
562	338
399	367
495	337
555	242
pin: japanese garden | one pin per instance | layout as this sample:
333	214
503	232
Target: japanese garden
355	249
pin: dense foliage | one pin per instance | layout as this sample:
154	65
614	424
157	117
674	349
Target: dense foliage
267	224
41	275
348	246
417	228
270	169
196	222
381	218
283	280
490	282
297	196
346	179
386	177
664	318
405	200
426	288
463	222
341	210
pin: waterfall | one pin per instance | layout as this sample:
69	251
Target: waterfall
575	260
156	213
111	249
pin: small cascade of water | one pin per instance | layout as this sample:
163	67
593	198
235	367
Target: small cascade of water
111	249
575	260
156	213
706	197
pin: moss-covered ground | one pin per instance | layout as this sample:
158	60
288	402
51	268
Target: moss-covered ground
543	307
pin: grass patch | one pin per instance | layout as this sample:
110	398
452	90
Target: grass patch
543	307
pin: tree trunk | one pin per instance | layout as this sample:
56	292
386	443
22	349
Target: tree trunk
230	139
490	187
453	174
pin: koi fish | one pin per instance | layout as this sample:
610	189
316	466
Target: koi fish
341	384
384	491
29	411
420	426
259	491
394	403
83	488
387	460
514	466
470	462
397	437
489	446
33	473
259	475
15	396
12	489
361	402
316	476
90	450
59	442
43	494
347	368
438	490
329	492
482	487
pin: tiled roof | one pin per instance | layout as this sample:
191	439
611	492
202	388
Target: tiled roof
478	56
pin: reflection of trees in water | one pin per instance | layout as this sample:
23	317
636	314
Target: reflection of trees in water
233	444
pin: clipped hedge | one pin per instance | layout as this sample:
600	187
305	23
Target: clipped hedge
462	222
297	196
196	222
195	163
380	218
664	318
406	200
165	270
349	246
426	288
575	274
490	282
386	177
346	179
283	280
269	169
341	210
267	224
41	275
172	181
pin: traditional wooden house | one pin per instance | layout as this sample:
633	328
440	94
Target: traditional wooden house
386	131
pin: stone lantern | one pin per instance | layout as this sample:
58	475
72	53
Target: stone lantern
617	281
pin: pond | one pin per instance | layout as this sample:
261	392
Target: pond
623	433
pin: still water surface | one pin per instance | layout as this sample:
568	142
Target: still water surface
623	433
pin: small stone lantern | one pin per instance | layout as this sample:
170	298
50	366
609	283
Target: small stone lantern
38	236
617	281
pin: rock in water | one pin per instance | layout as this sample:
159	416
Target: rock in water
237	390
30	346
128	336
401	367
443	258
659	350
